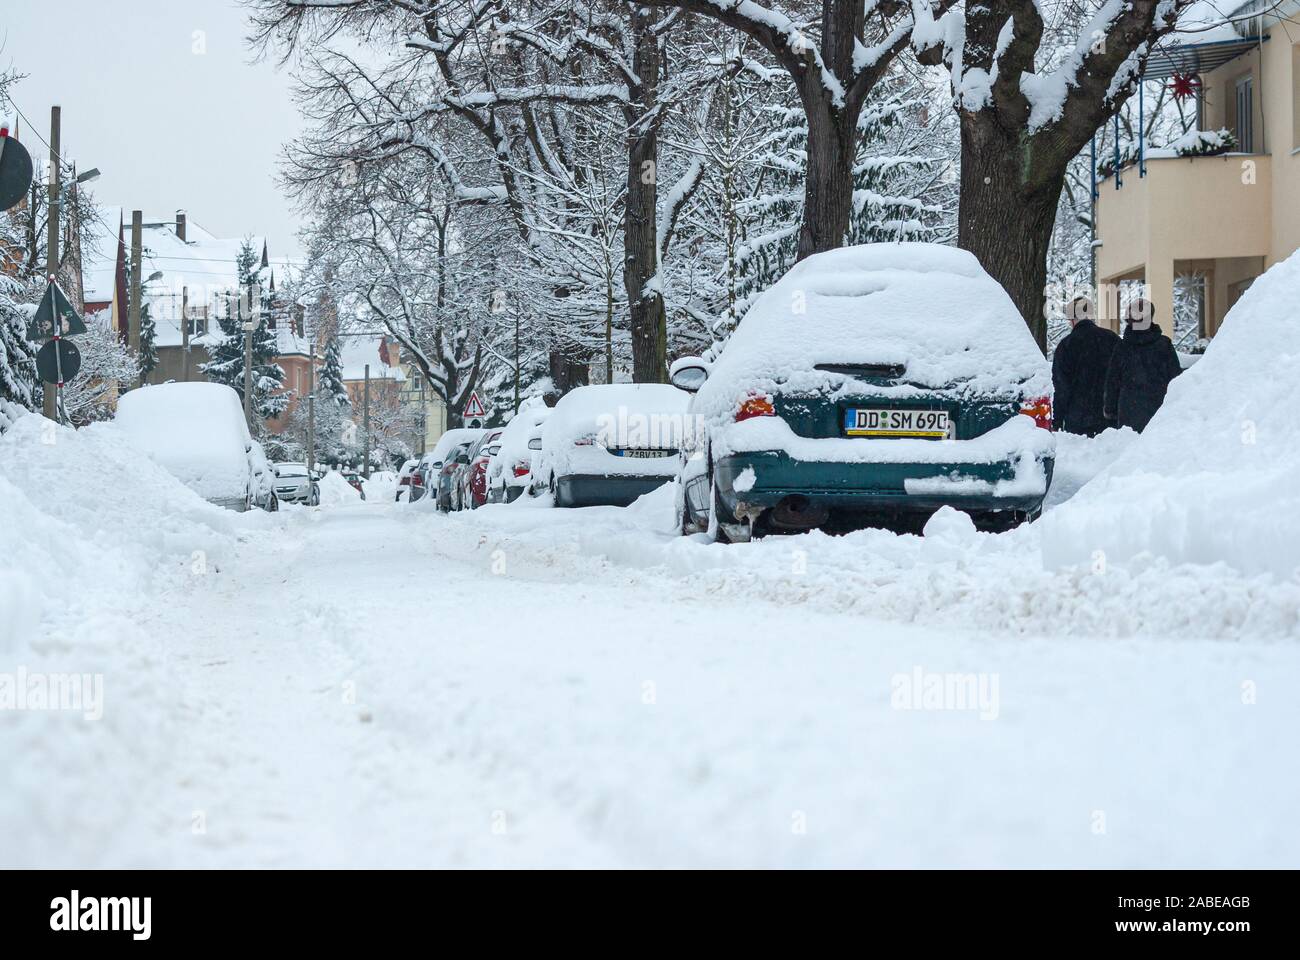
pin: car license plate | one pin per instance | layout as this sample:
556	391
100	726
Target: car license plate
643	454
878	422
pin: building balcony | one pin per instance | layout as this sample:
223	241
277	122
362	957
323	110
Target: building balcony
1210	217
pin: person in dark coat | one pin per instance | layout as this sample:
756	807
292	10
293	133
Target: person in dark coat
1079	373
1140	370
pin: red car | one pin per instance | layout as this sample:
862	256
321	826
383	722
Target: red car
473	475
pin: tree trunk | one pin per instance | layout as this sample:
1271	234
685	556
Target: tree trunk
645	300
1007	225
828	183
566	371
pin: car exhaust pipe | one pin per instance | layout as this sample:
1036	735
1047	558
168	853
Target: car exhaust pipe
797	512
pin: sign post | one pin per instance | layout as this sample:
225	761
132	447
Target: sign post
474	410
59	360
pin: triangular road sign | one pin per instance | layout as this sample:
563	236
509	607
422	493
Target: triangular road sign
474	409
54	302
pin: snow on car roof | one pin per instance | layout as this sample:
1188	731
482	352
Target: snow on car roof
931	308
452	439
587	410
195	430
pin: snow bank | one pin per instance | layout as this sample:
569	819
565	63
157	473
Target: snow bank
335	490
1212	480
954	577
91	535
380	486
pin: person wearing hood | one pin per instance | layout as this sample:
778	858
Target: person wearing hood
1079	368
1141	369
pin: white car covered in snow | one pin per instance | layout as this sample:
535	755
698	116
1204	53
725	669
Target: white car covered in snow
870	384
196	431
510	471
611	443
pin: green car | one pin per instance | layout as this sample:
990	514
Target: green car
870	386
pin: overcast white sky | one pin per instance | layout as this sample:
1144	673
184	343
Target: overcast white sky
168	126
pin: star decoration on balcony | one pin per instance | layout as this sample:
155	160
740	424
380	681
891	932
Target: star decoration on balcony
1184	85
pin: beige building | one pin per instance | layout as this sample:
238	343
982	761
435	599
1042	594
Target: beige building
1208	225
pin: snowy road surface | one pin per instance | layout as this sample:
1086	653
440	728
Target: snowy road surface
380	685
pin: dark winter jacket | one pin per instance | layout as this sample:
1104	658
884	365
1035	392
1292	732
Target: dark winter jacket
1079	378
1140	370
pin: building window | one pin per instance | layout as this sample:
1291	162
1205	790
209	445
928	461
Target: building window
1246	114
1295	96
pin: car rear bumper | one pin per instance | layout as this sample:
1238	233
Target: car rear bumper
1007	485
591	491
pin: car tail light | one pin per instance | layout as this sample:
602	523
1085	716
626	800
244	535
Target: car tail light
404	482
755	405
416	480
584	442
522	468
1040	408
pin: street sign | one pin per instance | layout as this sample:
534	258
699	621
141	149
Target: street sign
55	301
15	170
474	409
51	365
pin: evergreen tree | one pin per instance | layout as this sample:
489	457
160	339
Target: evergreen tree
19	383
148	332
227	363
330	384
895	174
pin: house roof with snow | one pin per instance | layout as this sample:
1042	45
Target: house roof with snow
361	350
1212	32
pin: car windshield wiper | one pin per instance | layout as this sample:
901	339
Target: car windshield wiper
873	371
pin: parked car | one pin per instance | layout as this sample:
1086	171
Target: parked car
447	491
509	472
197	432
907	381
611	443
294	483
355	481
404	480
471	477
420	478
432	463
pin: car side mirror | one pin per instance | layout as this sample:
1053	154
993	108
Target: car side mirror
462	458
689	373
535	443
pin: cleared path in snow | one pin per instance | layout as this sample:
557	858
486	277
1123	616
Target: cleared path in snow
373	685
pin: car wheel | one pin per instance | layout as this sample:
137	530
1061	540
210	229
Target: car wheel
273	504
685	525
723	527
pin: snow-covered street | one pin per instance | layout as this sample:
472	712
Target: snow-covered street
381	685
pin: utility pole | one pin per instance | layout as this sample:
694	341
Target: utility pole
185	334
365	420
424	417
50	394
247	326
133	312
311	407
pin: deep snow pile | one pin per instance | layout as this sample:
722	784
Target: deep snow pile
953	576
1213	478
91	532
